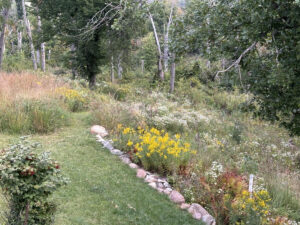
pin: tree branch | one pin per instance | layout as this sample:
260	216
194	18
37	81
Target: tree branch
237	61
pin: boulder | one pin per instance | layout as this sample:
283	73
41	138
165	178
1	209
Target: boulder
176	197
168	191
133	166
198	211
150	179
141	173
116	152
153	185
208	220
125	159
185	206
99	130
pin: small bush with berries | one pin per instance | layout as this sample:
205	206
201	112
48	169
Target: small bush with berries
27	180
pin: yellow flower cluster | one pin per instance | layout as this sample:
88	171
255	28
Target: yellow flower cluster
158	142
258	202
71	94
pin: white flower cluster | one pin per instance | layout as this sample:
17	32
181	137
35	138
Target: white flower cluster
215	171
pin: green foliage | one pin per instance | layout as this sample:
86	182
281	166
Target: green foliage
118	92
30	116
28	179
271	72
16	63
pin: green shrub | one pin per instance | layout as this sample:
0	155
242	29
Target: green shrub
17	62
32	116
118	92
27	180
76	101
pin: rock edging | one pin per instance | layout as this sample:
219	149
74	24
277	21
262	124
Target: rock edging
158	183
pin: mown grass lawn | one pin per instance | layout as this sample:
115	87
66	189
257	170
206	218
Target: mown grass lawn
102	189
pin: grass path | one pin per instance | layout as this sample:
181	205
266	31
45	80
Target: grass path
103	191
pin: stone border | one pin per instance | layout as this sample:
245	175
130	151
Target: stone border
160	184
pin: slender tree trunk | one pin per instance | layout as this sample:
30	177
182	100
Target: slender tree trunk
173	73
112	70
120	68
74	70
160	57
28	29
2	36
143	66
20	39
43	54
166	40
38	57
49	54
166	51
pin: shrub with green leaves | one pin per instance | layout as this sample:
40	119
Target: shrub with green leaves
27	180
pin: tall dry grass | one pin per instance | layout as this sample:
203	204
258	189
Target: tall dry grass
16	86
29	103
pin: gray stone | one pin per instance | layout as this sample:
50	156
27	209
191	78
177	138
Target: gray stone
176	197
167	185
198	211
108	146
197	216
150	179
208	219
125	159
185	206
160	190
133	166
96	129
168	191
160	185
153	185
116	152
161	180
141	173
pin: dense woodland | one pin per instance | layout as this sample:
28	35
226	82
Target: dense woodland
219	79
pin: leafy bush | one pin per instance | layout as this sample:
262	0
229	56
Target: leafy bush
32	116
16	62
225	193
28	179
156	150
76	100
118	92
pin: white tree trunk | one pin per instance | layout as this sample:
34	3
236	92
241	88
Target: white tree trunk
49	54
2	36
173	73
143	66
160	57
112	70
28	29
74	70
20	40
166	40
43	54
166	51
120	68
38	57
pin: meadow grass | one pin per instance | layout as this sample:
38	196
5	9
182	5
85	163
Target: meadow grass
102	190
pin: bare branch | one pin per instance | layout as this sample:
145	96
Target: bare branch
237	62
